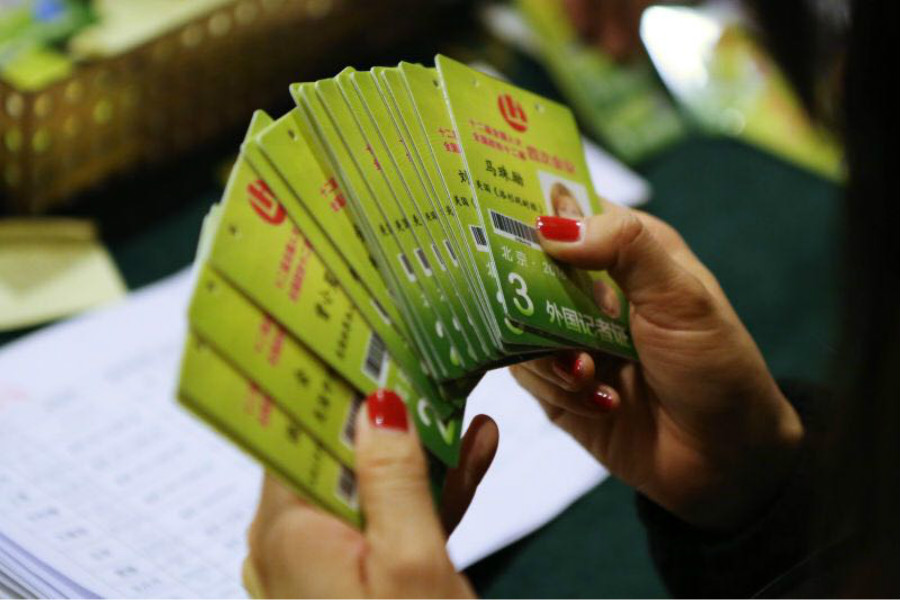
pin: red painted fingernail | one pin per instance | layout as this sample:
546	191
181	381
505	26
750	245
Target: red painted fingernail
578	367
568	366
604	399
387	410
559	229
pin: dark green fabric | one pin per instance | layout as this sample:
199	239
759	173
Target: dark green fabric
596	549
770	234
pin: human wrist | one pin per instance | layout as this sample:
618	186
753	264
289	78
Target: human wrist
749	472
735	477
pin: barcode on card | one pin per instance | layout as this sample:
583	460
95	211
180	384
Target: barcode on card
407	266
480	238
348	431
423	260
514	229
376	354
451	252
346	489
440	259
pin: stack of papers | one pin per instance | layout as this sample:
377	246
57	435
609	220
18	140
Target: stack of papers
106	488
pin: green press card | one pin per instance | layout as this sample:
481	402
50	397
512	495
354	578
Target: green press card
303	386
282	148
375	164
219	395
306	388
304	192
260	252
394	266
524	159
441	153
419	203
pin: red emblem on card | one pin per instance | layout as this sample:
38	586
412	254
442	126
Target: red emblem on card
265	203
513	112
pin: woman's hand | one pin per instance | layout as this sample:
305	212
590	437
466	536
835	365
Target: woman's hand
297	550
699	425
613	25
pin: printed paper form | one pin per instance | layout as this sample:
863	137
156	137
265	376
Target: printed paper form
108	488
102	477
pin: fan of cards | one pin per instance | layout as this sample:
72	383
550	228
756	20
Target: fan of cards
381	236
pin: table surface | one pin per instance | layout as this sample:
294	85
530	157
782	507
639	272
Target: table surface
766	229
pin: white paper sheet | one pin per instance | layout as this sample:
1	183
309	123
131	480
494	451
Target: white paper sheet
537	473
108	488
612	179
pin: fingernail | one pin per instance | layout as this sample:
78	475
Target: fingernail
604	399
559	229
387	410
568	367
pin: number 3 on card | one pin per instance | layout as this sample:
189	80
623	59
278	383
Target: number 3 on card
522	300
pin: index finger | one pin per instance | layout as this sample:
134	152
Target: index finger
274	499
296	549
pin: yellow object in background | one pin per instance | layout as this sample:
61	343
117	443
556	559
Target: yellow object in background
123	26
725	80
52	268
36	68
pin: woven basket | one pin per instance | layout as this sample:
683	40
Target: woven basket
176	91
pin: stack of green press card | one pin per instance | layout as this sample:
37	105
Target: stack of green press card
381	235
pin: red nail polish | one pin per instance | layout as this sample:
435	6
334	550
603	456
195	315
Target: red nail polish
568	366
578	367
604	399
559	229
387	410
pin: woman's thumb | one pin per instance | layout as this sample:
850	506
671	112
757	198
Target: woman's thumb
393	478
622	244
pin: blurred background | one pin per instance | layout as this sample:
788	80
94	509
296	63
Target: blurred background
119	120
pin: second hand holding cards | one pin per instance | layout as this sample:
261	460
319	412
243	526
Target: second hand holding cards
381	235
